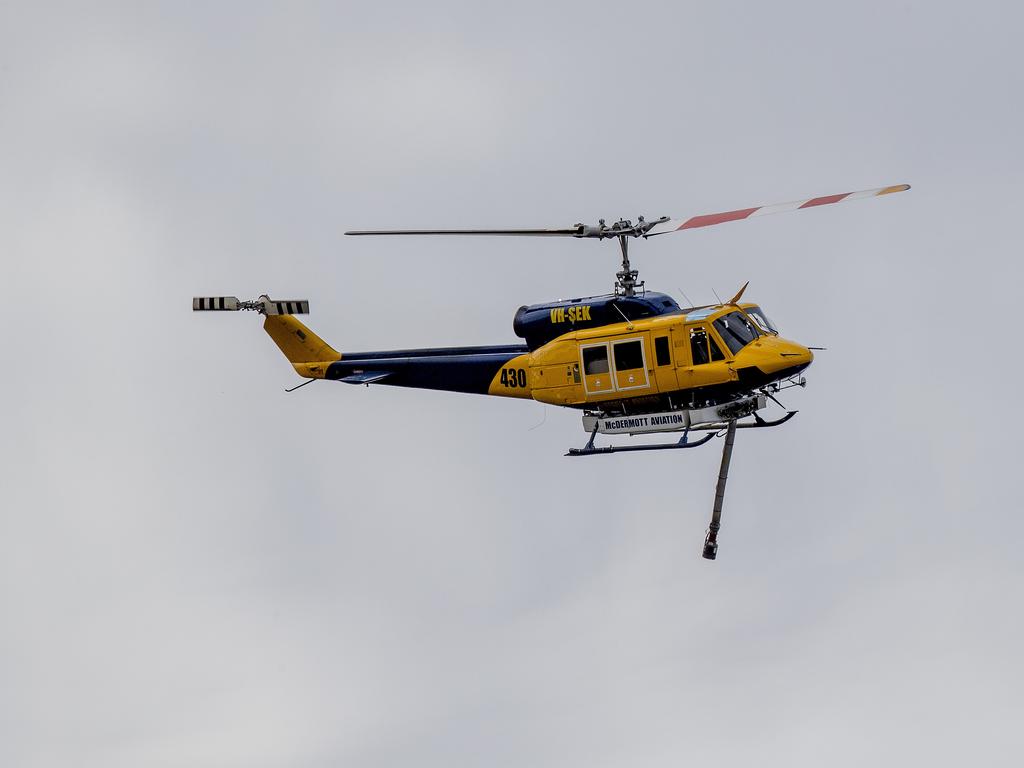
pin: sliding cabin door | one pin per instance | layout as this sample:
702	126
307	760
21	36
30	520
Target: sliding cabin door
630	359
597	372
614	366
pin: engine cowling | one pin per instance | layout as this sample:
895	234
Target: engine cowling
538	324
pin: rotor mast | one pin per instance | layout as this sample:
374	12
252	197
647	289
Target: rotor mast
626	283
625	279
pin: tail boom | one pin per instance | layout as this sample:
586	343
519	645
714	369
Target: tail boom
496	370
501	370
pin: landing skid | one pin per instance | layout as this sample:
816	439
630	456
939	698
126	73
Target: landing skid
590	449
714	429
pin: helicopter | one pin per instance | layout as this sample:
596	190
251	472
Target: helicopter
633	361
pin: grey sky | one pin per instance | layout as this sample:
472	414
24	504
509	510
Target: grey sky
197	569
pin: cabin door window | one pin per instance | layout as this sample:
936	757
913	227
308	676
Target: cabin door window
630	364
597	375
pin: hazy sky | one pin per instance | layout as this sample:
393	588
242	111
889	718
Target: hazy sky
197	569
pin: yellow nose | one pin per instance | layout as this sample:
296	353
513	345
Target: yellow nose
775	356
796	354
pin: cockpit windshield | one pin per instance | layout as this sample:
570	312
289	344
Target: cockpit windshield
736	330
761	320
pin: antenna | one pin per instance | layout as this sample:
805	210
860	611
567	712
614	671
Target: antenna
629	323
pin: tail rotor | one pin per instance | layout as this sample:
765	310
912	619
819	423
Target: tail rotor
264	305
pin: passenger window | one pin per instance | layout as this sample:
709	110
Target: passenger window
595	360
629	355
661	350
699	345
716	351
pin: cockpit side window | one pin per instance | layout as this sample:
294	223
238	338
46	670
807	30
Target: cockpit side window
736	330
716	351
699	345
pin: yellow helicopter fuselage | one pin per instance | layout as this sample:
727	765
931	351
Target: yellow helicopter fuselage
685	358
655	359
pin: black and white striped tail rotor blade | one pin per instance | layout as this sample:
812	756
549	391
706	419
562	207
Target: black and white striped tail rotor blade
285	306
215	304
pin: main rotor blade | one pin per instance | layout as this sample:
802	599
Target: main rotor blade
644	228
707	220
574	232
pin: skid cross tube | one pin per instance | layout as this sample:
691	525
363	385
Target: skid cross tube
758	423
711	542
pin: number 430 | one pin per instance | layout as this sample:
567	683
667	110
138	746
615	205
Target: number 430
513	378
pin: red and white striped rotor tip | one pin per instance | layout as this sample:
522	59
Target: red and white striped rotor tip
707	220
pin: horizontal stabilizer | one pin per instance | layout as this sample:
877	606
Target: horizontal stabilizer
366	377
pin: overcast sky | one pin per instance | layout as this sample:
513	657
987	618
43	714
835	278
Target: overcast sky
197	569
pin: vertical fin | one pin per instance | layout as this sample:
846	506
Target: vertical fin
299	344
